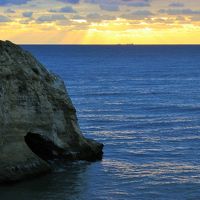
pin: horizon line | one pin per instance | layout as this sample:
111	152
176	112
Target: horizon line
178	44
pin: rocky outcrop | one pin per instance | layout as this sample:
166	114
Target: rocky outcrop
38	121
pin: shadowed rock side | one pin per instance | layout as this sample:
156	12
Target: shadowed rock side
38	121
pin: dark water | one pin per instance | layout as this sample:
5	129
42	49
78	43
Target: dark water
143	103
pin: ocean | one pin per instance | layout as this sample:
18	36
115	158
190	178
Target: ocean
143	103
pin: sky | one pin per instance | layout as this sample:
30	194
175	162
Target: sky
100	21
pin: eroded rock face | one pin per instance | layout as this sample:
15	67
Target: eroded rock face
38	121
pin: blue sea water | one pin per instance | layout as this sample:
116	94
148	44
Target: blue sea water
143	103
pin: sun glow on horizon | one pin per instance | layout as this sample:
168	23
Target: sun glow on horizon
79	25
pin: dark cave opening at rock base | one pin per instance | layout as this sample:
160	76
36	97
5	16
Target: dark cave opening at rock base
43	147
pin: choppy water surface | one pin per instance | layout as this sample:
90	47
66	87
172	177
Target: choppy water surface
143	103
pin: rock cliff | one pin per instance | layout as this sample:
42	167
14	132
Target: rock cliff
38	121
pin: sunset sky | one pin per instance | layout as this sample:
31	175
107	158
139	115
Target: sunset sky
100	21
